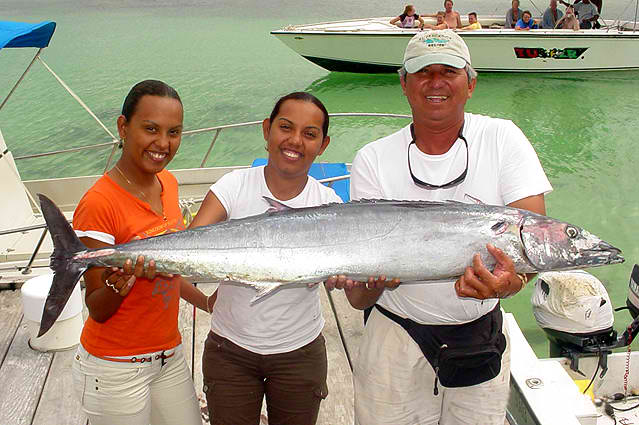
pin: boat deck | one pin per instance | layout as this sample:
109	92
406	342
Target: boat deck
37	387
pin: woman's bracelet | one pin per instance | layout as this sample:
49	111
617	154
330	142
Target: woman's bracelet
524	280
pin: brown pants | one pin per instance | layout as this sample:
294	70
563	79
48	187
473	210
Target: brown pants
236	380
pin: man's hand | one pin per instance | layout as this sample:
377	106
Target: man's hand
478	282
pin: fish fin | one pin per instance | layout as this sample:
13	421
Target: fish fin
499	227
276	206
263	289
474	200
66	273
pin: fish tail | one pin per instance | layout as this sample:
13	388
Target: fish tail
66	273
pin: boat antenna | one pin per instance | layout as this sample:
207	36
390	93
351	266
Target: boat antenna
635	22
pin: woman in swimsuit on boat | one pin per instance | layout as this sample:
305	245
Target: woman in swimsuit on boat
129	368
408	19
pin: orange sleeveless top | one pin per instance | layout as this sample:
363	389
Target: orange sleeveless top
147	319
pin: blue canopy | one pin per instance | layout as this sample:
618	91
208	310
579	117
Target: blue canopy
22	34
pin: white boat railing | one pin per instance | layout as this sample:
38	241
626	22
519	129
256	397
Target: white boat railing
216	130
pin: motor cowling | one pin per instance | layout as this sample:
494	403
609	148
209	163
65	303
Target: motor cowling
574	310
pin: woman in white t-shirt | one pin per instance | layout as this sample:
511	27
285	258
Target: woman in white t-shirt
274	347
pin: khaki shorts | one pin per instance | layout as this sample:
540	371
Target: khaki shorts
394	383
236	380
120	393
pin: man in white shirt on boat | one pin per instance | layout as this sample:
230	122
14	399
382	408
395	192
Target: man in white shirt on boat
587	13
552	15
415	364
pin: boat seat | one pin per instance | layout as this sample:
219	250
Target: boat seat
324	170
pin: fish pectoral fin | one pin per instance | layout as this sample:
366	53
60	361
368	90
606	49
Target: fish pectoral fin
276	206
263	289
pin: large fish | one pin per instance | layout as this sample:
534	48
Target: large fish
409	240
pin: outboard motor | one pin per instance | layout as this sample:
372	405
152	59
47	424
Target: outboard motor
574	310
633	293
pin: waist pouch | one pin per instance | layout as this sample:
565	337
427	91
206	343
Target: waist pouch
461	355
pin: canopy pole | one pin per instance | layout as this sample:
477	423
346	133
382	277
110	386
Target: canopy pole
21	77
86	108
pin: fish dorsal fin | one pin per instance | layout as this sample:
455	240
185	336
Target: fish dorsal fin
474	200
275	205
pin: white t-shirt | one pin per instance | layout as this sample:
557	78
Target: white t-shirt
502	168
292	316
585	11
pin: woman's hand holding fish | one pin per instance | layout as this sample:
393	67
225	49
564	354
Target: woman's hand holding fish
342	282
122	280
478	282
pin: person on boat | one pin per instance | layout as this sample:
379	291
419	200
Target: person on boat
275	347
419	358
441	22
526	22
408	19
569	20
587	13
473	24
129	368
513	15
597	3
551	16
451	17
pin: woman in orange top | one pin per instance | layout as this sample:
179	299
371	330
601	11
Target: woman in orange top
129	367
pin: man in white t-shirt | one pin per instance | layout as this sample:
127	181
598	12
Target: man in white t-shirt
587	13
445	154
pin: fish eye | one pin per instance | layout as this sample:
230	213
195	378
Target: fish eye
571	232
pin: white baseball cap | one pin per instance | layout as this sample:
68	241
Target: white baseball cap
443	47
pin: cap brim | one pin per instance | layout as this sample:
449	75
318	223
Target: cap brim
415	64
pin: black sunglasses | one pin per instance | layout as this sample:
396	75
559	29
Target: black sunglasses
451	183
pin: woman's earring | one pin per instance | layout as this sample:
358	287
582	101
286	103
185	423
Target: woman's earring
266	147
121	142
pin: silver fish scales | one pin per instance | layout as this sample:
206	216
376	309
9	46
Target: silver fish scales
409	240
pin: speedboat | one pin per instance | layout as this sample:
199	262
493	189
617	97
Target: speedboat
543	391
375	46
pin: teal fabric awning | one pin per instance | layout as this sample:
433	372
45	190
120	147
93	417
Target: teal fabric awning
23	34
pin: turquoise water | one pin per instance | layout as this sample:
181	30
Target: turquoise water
228	69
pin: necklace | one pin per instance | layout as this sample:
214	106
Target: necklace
139	190
129	182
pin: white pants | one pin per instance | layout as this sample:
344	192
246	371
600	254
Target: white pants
114	393
394	384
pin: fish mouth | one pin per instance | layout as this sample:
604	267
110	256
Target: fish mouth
603	254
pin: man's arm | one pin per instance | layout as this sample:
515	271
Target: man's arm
478	282
535	203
